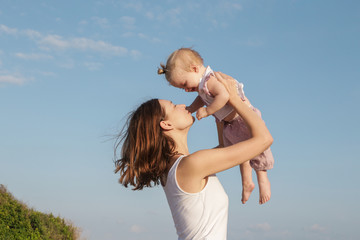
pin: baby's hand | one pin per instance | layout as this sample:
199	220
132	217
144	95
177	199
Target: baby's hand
201	113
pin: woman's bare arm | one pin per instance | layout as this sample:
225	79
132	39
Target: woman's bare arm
206	162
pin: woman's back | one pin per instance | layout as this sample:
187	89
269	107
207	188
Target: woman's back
201	215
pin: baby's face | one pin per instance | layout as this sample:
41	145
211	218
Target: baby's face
186	80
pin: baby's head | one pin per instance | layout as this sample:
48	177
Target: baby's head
183	69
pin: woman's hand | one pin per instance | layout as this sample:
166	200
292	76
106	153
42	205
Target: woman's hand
229	83
231	86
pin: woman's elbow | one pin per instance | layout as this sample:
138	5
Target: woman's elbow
268	141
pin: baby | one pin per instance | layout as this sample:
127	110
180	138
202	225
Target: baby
184	69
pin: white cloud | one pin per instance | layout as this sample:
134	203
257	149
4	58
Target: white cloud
93	65
254	42
99	46
7	30
261	227
141	35
137	6
127	34
32	34
144	36
230	6
135	54
136	229
83	22
18	80
173	15
33	56
102	22
68	64
54	41
149	15
317	228
57	42
47	74
128	22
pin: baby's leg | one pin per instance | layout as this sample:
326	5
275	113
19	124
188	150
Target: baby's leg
264	186
247	182
235	132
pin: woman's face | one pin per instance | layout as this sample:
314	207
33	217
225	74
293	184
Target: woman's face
177	115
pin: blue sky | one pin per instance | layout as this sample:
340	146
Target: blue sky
70	71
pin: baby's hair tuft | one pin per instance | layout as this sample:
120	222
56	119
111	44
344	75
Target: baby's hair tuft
161	70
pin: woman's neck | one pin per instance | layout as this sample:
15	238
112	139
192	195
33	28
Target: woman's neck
181	143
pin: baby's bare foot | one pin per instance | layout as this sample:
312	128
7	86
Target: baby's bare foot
264	187
246	192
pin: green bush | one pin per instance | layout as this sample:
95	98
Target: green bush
18	222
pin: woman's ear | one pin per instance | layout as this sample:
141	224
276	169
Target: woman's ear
166	125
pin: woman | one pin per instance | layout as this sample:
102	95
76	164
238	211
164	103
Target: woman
155	150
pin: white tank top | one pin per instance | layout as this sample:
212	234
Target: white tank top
198	216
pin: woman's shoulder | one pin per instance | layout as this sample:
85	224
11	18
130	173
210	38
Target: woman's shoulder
195	160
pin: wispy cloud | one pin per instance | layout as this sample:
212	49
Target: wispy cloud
47	74
93	66
135	54
149	15
64	48
7	30
82	22
261	227
133	5
254	42
12	79
230	6
173	15
32	34
33	56
317	228
102	22
136	229
151	39
128	22
68	64
85	44
51	42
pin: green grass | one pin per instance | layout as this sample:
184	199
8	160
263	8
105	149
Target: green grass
19	222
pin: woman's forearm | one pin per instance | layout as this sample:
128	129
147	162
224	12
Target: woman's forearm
255	123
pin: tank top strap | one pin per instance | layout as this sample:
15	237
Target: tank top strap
173	168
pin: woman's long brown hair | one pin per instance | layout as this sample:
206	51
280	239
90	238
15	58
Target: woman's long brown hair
146	150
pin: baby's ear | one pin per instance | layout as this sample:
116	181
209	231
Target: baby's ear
194	68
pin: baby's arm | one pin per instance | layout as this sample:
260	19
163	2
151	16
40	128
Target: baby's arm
195	105
221	97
